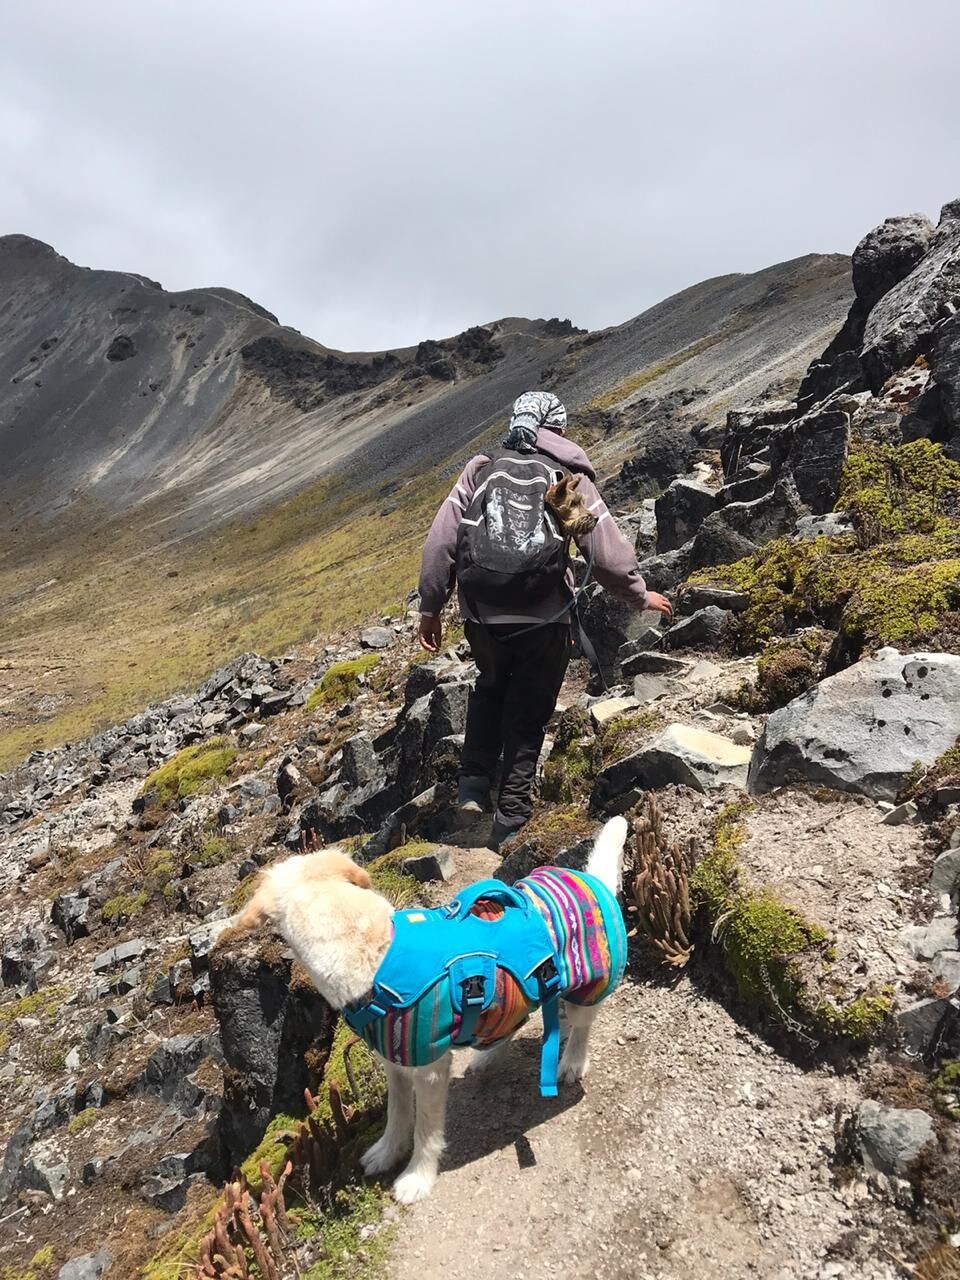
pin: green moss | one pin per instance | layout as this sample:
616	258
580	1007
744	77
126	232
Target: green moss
216	850
623	735
891	583
271	1148
82	1119
778	958
124	906
240	895
42	1004
946	1089
345	1255
572	764
189	770
390	880
341	681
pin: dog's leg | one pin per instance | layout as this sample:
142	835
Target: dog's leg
430	1088
483	1059
575	1061
389	1150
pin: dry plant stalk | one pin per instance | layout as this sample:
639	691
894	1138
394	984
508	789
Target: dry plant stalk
223	1253
661	889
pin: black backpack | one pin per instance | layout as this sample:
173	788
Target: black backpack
510	547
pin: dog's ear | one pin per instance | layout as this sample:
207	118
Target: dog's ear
356	875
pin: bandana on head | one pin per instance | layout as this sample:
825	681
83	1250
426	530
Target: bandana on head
531	411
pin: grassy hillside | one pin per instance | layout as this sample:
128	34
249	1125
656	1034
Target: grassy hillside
121	626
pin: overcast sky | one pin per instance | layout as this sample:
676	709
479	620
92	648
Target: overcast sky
379	172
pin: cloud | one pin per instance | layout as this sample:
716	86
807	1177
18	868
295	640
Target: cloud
380	172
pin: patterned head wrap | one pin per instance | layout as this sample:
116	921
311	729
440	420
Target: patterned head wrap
531	411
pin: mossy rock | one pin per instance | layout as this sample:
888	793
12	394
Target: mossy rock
340	681
896	582
778	959
572	764
190	770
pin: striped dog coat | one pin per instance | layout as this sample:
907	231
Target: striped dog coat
472	972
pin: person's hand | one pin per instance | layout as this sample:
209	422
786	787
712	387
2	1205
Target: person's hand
659	603
431	630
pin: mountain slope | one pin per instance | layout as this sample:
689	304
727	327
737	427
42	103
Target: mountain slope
187	478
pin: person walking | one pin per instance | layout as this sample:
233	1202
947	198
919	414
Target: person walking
496	539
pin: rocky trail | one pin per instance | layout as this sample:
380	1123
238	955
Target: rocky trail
781	1100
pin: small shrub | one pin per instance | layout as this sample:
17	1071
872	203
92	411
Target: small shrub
341	681
82	1119
189	770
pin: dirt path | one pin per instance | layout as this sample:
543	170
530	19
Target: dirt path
693	1150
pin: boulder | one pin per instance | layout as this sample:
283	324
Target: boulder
900	327
716	543
609	708
694	597
438	864
45	1170
611	624
648	662
664	572
863	729
832	525
69	913
706	629
945	877
927	940
681	754
89	1266
267	1025
377	637
681	510
945	371
891	1138
818	453
927	1025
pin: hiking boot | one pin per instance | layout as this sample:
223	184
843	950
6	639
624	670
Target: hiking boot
501	835
473	796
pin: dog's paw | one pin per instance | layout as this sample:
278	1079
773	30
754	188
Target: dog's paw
573	1069
381	1157
413	1186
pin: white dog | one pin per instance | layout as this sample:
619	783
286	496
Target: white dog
559	930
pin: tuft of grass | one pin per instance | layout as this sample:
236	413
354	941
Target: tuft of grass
82	1119
124	906
189	770
390	880
341	681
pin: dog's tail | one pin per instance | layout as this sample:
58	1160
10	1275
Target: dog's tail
606	858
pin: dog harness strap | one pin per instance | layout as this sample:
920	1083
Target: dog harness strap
550	1053
551	985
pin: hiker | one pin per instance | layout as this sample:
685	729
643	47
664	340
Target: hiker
494	537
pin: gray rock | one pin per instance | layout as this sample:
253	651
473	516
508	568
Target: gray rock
265	1029
945	372
250	732
658	664
890	1138
946	967
170	1066
438	864
833	524
706	629
681	754
22	968
91	1266
863	729
902	813
360	766
920	1024
818	452
69	913
377	637
45	1170
945	877
927	940
648	688
663	572
13	1155
680	510
900	326
716	543
203	940
695	597
119	954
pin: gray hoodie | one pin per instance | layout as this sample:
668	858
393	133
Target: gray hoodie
614	562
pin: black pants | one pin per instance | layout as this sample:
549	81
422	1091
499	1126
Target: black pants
510	704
